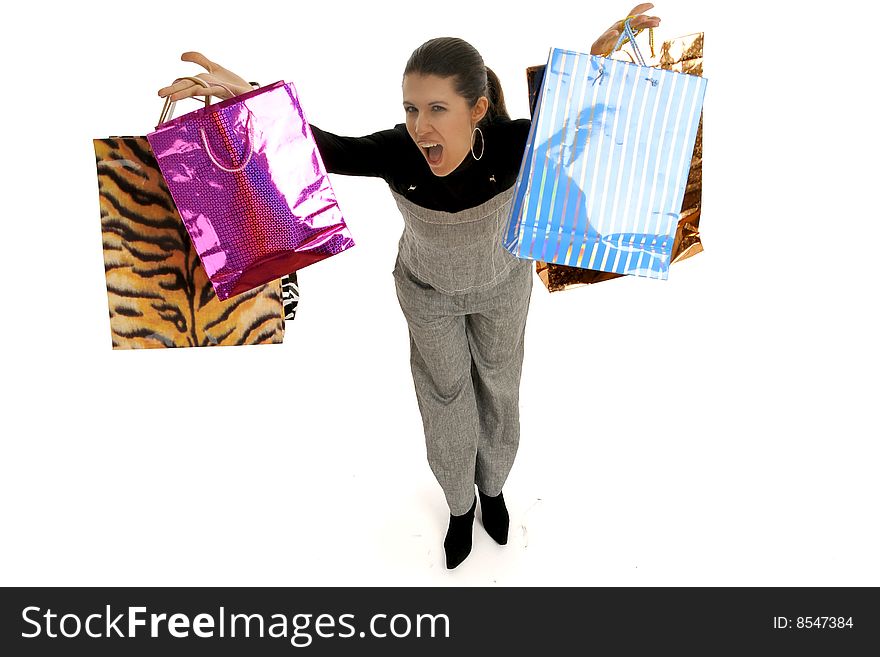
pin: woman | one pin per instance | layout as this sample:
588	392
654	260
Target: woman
451	168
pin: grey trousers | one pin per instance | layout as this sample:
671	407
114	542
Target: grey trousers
466	354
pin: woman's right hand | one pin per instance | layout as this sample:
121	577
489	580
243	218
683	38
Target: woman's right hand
215	74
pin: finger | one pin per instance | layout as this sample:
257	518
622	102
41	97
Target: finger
610	37
190	91
605	42
644	22
200	59
640	9
179	85
636	11
195	90
217	92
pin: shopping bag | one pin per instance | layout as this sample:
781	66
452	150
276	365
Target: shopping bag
157	291
683	54
251	187
606	163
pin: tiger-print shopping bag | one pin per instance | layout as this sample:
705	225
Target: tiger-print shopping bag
157	290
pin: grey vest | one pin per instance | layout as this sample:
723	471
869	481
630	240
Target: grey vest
456	252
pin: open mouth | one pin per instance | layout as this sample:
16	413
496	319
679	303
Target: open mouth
434	153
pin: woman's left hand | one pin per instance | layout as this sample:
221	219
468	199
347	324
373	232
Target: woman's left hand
609	39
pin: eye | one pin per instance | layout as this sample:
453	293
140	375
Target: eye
439	108
410	109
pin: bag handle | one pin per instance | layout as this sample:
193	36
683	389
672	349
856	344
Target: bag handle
628	34
250	148
168	109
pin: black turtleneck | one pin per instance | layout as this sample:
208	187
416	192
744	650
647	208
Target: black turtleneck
393	156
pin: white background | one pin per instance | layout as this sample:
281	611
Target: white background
717	428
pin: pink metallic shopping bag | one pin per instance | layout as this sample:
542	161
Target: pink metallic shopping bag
251	188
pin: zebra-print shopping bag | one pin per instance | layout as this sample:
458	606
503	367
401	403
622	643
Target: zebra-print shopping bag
606	164
157	290
682	54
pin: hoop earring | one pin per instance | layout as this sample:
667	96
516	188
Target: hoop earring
482	141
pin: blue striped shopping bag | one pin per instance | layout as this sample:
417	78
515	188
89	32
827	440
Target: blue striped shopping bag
606	164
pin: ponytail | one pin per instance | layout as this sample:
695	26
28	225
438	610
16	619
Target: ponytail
495	94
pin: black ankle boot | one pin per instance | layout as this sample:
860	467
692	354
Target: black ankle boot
496	520
459	537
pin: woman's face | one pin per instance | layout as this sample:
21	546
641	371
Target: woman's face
438	117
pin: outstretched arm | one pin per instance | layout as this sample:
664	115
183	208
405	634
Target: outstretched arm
372	155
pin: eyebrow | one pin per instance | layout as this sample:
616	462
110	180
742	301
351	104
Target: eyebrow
434	102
